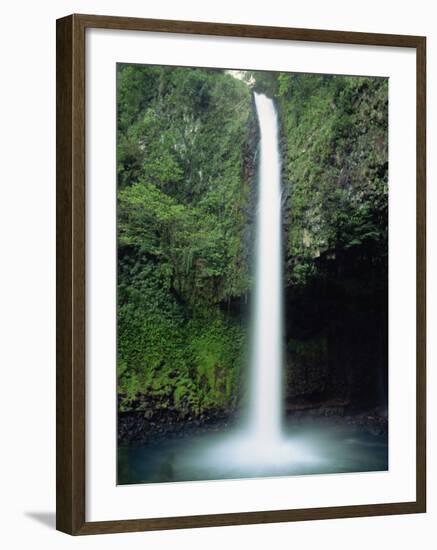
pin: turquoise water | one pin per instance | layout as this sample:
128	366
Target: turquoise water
303	450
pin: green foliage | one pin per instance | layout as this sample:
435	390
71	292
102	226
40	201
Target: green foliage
192	248
190	365
182	218
185	161
335	163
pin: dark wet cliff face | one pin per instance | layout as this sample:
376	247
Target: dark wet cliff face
336	339
335	178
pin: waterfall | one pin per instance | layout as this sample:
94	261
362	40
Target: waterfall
261	446
265	392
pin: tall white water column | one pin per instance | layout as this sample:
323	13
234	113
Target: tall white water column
265	392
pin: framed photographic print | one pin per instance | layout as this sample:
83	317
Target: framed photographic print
240	274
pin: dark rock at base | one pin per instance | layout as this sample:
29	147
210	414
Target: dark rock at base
152	423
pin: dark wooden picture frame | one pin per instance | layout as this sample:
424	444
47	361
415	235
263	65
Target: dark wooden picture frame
71	246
